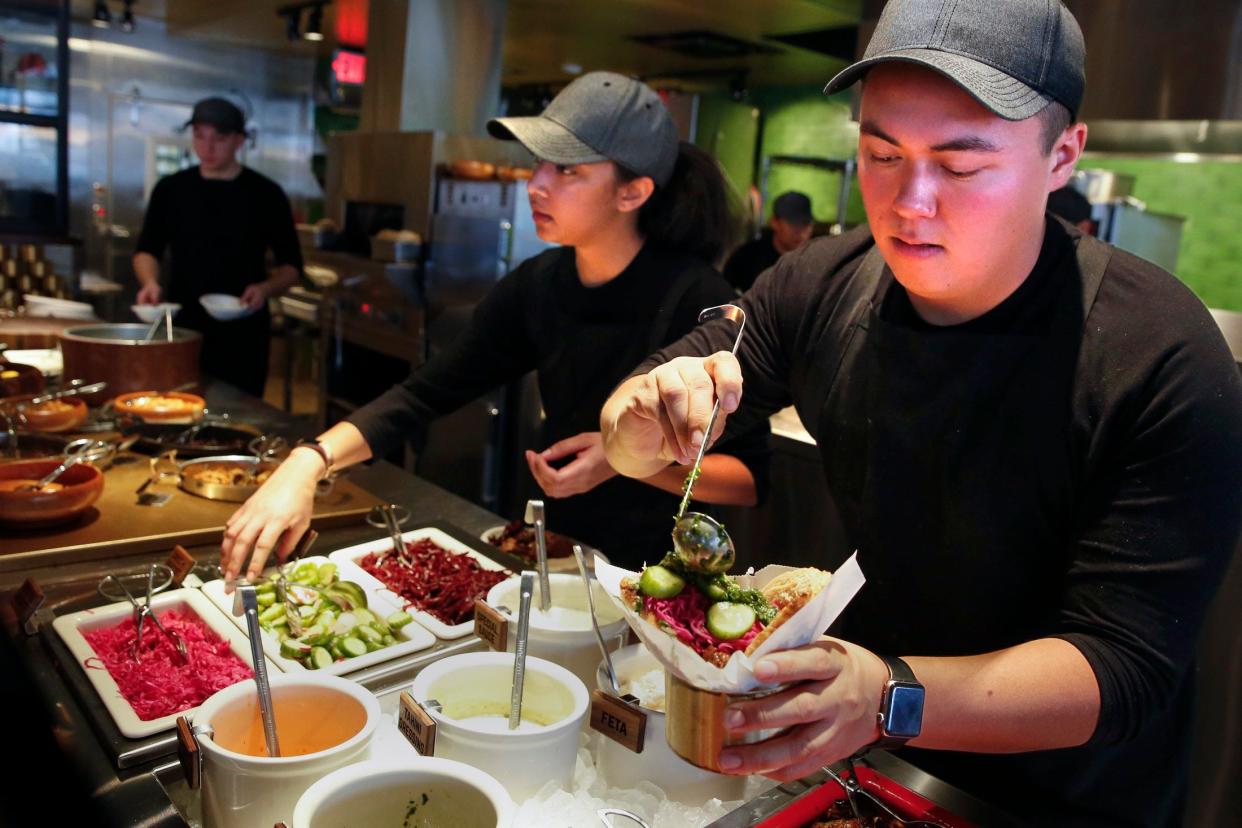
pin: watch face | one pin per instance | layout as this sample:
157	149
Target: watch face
905	711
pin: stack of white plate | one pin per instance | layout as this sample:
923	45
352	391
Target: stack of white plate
59	308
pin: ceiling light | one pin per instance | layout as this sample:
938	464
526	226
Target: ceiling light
314	23
102	18
571	68
127	18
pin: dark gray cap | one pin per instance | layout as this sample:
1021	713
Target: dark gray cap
793	207
1014	56
219	113
601	116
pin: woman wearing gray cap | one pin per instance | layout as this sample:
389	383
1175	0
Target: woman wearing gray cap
640	218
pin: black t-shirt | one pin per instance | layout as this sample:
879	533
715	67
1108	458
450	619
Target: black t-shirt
582	341
218	233
749	260
1035	480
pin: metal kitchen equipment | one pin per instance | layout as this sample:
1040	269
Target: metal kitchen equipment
519	651
700	541
246	602
535	517
111	586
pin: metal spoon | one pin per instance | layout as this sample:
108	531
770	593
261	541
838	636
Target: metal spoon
92	451
519	651
701	542
599	636
76	386
246	602
534	515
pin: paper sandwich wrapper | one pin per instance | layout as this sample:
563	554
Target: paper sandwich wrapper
737	676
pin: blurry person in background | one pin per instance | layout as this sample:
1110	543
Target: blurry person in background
1072	206
218	220
789	228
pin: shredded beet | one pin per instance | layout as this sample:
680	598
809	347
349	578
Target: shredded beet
434	580
162	683
685	616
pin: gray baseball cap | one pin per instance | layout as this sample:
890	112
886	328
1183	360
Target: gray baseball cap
601	116
1013	56
220	113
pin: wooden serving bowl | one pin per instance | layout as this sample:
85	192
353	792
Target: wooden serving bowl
142	405
82	483
53	416
18	378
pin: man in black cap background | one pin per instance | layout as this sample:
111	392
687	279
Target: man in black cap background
788	229
218	221
1034	441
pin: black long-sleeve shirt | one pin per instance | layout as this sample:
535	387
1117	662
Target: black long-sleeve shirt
582	341
1096	499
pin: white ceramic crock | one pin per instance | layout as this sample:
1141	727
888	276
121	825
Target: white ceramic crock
241	791
386	793
479	683
571	645
622	768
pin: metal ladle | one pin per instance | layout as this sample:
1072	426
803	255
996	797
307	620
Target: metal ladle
246	602
519	651
699	540
599	636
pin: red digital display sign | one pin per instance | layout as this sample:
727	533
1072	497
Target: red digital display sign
349	67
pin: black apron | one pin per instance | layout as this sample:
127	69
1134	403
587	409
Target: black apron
948	457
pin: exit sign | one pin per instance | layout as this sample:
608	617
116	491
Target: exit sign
349	67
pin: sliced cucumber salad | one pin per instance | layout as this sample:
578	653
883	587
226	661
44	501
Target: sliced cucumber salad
332	616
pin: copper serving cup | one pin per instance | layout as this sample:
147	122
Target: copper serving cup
694	721
82	484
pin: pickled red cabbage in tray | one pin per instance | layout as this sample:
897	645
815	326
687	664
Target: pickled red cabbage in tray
162	683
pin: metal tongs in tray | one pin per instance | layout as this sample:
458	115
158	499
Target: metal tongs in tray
390	516
114	589
856	794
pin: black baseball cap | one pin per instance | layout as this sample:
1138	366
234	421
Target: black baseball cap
793	207
1013	56
601	116
219	113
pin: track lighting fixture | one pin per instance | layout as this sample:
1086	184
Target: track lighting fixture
314	20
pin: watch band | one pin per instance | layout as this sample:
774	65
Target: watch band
322	450
901	682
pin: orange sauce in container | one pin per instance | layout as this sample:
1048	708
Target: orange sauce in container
308	720
13	484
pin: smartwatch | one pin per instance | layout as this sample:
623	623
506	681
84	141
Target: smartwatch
320	449
901	708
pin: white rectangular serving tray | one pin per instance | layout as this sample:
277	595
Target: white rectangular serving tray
347	559
410	639
71	629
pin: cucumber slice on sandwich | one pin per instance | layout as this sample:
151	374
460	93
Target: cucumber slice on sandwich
728	621
660	582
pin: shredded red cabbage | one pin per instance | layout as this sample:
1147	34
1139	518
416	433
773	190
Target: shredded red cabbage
161	683
685	616
434	580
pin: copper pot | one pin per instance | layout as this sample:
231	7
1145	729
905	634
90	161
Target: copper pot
116	354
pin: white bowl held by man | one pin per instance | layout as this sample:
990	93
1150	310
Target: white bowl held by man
224	307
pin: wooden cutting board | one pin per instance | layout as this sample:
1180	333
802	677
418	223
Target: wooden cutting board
116	526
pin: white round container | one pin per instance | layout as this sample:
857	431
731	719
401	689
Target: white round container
622	768
563	635
421	792
472	722
242	791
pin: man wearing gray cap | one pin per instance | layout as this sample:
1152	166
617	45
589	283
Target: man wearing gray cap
1034	441
218	221
788	229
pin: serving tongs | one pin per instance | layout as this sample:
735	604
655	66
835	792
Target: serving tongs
73	388
284	593
390	516
164	319
855	793
519	650
90	452
141	611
